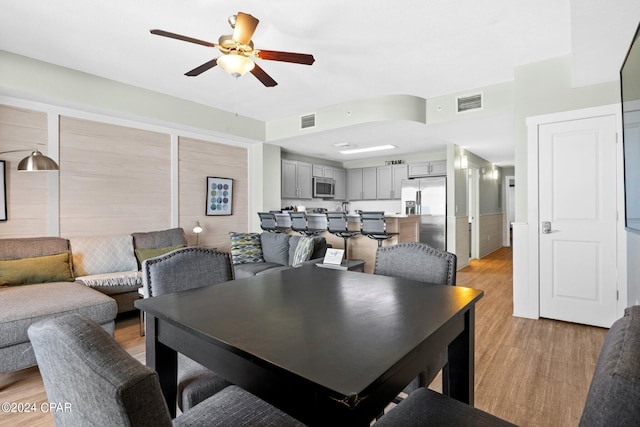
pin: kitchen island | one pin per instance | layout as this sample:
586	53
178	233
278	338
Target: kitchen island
406	228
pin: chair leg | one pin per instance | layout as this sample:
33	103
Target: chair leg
142	320
346	253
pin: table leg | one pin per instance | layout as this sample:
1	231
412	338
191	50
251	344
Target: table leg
165	362
458	374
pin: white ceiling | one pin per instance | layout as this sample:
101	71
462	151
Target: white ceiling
425	48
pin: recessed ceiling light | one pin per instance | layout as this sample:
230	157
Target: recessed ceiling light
342	144
368	149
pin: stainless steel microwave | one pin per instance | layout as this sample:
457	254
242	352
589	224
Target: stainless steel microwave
324	187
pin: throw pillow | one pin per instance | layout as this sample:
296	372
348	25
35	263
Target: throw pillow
159	239
275	247
25	271
102	254
245	248
303	251
143	254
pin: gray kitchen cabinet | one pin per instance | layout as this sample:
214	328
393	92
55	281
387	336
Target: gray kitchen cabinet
354	184
439	167
340	175
361	183
296	180
369	183
323	171
433	168
389	181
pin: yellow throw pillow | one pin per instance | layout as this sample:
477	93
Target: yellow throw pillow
26	271
143	254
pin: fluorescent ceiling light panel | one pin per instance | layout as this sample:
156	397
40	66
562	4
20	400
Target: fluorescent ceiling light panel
368	149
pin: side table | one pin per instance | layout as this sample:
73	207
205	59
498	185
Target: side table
347	264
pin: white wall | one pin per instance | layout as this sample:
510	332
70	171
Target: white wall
116	176
633	269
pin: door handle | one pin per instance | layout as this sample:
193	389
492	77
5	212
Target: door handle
546	227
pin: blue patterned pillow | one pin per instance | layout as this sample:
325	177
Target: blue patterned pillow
303	251
245	248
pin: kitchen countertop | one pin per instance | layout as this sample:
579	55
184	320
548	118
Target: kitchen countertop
406	228
308	214
356	217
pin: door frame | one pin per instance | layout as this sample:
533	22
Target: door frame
526	280
473	210
508	200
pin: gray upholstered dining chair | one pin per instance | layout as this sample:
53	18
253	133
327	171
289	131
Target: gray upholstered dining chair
426	408
179	270
420	262
97	383
417	261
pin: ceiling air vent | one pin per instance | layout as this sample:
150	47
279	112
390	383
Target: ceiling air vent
308	121
470	102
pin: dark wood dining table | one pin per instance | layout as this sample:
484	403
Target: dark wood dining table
329	347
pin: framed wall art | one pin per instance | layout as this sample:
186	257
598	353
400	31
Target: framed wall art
3	189
219	195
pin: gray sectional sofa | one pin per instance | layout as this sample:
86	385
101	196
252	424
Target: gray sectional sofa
259	253
46	259
95	276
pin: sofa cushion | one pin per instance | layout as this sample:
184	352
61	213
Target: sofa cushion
246	248
275	247
241	271
21	306
25	271
102	254
145	254
113	283
159	239
303	251
29	247
319	247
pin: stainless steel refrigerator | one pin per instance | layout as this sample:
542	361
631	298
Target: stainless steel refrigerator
427	197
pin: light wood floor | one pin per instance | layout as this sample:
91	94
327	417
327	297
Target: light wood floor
529	372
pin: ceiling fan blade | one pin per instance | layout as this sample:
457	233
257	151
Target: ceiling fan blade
201	69
274	55
244	28
183	38
263	76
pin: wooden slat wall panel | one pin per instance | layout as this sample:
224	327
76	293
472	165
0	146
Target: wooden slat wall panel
199	159
491	233
27	193
462	240
113	179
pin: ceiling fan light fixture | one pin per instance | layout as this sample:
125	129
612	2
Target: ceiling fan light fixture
236	65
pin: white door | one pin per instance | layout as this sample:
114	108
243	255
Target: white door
577	212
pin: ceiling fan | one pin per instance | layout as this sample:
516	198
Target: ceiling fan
237	49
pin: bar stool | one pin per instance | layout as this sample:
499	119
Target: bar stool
373	226
269	223
300	224
337	225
